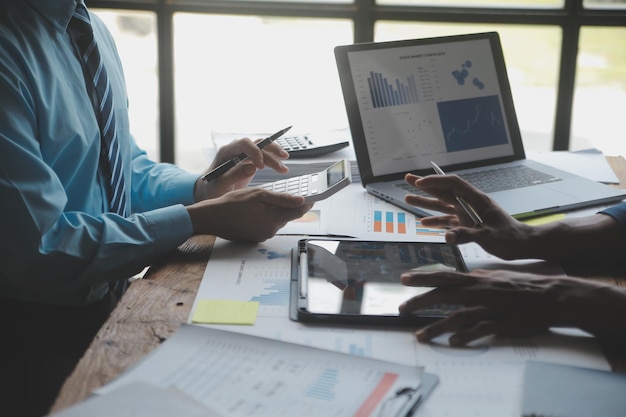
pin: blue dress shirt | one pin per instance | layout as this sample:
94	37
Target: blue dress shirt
618	212
58	242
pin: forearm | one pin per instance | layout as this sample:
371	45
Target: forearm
596	237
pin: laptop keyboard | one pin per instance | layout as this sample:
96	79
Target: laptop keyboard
499	179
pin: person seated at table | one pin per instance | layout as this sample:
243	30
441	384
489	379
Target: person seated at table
82	206
510	303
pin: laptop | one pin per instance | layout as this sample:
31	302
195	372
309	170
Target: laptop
448	100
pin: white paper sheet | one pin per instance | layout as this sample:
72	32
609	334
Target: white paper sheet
139	399
241	375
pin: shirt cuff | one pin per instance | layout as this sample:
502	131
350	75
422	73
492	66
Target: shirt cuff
618	212
171	227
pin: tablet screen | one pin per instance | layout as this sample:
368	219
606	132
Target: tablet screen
350	280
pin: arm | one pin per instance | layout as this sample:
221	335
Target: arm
598	236
58	243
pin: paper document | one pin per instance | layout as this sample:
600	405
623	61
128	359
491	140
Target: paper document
356	213
139	399
240	375
262	273
588	163
571	391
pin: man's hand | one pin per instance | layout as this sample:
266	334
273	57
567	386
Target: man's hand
252	214
500	234
239	176
507	303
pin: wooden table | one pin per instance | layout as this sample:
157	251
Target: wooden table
154	307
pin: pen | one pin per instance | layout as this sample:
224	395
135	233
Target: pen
220	170
414	405
468	209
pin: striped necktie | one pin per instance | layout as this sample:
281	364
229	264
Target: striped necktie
99	88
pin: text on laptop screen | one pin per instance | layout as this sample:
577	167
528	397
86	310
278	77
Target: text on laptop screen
438	102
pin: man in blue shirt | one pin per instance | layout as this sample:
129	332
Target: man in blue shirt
60	246
510	303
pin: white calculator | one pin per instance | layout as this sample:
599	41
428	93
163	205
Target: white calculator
318	185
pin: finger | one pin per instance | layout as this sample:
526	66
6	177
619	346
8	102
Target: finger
242	172
480	235
430	203
436	279
250	149
455	322
459	235
289	214
280	200
411	178
446	221
478	331
276	150
452	186
274	161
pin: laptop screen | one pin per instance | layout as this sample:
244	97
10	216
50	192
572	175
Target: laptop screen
441	99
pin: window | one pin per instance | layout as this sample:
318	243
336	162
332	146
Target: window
135	36
254	65
600	91
254	74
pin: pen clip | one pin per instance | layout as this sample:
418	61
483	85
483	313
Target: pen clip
404	403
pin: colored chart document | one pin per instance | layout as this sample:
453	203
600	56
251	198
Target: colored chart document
356	213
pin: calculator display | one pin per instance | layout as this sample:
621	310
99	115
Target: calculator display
335	173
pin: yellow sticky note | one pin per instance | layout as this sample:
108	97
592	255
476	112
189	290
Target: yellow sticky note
225	312
536	221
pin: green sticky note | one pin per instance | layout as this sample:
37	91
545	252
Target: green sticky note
225	312
536	221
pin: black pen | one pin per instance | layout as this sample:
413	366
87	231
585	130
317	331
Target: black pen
220	170
468	209
414	405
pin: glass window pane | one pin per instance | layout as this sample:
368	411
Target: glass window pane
135	36
479	3
254	74
308	1
600	94
532	58
605	4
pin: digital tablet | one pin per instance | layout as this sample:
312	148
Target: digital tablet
345	281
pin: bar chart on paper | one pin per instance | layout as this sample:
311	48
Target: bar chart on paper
259	273
395	222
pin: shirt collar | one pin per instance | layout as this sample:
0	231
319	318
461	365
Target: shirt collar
57	12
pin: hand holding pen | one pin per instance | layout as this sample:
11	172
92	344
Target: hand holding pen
223	168
466	206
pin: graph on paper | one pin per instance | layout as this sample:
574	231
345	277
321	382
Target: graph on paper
401	223
258	273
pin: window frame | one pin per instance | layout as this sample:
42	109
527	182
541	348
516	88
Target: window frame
364	14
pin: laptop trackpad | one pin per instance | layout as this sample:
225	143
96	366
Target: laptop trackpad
531	200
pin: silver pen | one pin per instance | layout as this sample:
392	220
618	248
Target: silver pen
466	206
